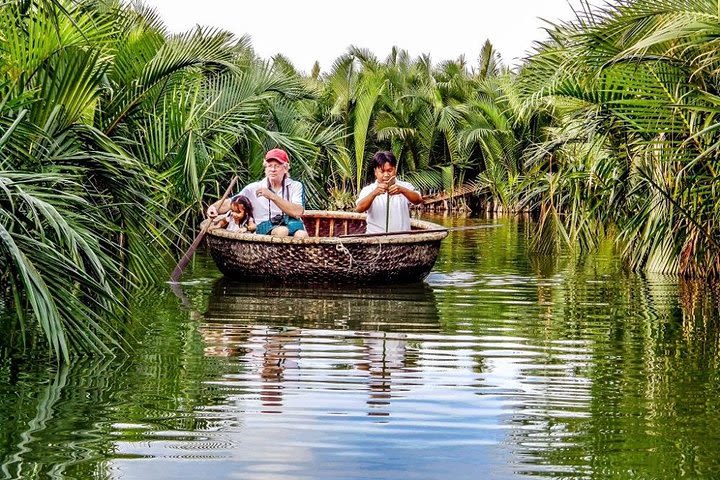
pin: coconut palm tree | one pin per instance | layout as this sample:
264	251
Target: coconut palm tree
124	124
642	77
59	252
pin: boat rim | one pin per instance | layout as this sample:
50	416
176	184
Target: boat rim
436	232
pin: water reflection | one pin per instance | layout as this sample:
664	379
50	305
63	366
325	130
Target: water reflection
369	334
368	308
503	363
49	427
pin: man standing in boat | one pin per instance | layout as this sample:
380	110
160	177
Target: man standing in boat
277	200
387	200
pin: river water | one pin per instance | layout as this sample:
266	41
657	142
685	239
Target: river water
501	365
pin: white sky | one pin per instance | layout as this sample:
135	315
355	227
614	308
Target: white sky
309	30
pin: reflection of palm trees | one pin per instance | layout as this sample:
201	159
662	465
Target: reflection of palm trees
33	425
44	413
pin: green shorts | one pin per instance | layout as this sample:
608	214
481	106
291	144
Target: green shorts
293	225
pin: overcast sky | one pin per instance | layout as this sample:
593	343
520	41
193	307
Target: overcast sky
322	30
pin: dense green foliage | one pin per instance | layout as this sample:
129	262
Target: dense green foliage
634	88
114	134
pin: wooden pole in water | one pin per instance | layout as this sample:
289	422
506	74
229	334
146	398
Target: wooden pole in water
175	276
391	181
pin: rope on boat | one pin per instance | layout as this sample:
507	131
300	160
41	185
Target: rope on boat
340	247
343	249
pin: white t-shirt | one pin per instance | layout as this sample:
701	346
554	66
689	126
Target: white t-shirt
264	209
232	225
399	218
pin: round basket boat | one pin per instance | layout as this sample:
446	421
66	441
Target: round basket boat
331	254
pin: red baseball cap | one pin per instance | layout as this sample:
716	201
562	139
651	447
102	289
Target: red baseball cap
277	154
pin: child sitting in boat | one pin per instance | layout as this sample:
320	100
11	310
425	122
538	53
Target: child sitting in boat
239	218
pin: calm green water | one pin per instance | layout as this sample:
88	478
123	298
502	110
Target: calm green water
499	366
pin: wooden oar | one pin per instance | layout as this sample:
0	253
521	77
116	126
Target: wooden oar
391	181
417	232
188	255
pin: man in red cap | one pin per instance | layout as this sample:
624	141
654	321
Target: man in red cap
277	201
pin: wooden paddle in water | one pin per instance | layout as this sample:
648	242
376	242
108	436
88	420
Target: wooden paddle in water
188	255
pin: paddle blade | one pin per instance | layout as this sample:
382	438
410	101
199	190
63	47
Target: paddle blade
188	255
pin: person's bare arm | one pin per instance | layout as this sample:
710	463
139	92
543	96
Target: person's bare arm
413	196
292	209
218	209
364	203
218	222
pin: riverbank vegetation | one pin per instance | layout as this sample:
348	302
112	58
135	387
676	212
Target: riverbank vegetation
114	134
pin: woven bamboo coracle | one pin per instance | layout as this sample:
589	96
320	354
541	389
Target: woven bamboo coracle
325	256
